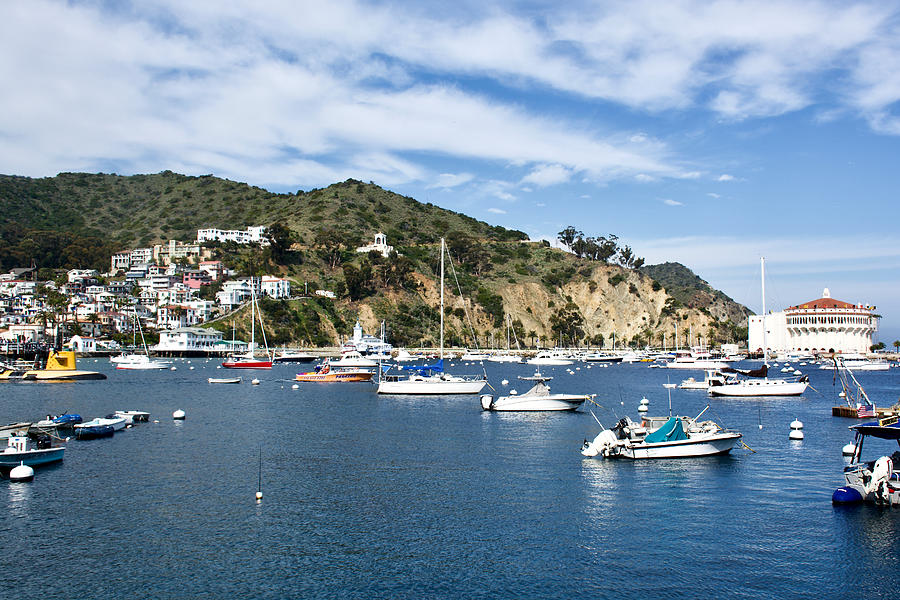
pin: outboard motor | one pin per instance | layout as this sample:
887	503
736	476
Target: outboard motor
878	485
487	401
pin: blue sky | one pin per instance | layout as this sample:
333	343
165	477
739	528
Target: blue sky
708	133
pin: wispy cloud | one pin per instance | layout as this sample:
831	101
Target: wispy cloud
450	180
725	177
670	202
496	211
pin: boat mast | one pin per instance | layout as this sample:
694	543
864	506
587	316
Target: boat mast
252	319
762	271
442	300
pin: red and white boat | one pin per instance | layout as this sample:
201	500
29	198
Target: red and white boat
250	360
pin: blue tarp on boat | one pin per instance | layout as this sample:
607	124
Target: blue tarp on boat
671	431
437	367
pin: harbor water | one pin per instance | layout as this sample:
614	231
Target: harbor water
368	496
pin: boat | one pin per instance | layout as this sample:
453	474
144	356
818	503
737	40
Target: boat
92	432
685	359
858	362
353	359
59	366
429	379
602	357
223	379
538	398
22	450
136	361
403	355
756	383
325	373
367	344
675	437
551	357
133	416
469	355
250	360
873	481
14	429
117	423
292	356
63	421
710	376
507	357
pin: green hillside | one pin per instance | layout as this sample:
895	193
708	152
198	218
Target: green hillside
79	220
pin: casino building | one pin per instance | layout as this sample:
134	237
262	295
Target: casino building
823	325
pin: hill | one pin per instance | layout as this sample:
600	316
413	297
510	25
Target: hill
77	219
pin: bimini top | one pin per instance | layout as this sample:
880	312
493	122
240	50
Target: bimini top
671	431
884	429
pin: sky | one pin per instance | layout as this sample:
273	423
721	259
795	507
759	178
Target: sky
709	133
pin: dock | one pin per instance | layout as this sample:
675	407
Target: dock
850	413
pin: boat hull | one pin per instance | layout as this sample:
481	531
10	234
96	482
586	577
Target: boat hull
335	377
247	364
40	456
223	379
431	386
558	402
707	446
757	388
42	375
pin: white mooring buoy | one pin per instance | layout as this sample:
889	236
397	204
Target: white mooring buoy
504	382
796	434
295	387
178	415
644	402
643	408
21	473
796	424
848	449
255	382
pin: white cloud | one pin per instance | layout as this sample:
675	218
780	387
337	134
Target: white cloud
545	175
713	195
644	178
725	177
497	211
670	202
451	180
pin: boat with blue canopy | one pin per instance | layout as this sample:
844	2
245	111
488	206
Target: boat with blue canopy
675	437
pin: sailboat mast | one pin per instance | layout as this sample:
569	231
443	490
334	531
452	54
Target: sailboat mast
442	299
762	271
252	318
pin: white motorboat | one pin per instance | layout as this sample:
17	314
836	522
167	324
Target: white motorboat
14	429
551	357
430	379
507	356
293	356
688	360
602	357
476	355
117	423
133	416
403	355
538	398
756	383
677	437
353	359
858	362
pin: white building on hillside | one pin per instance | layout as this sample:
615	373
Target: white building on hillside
822	325
188	339
275	287
379	245
253	235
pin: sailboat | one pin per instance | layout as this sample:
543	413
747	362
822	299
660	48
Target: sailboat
430	379
507	357
747	383
136	361
249	360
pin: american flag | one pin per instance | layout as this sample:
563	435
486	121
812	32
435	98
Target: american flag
866	410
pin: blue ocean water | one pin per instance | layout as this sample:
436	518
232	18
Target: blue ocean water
390	497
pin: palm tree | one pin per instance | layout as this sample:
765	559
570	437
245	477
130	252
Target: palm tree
532	334
896	345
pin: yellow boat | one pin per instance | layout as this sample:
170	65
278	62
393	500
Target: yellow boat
60	367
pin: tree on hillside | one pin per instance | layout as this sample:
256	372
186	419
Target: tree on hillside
567	322
896	345
280	238
568	236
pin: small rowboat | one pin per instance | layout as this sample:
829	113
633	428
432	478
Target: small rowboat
224	380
